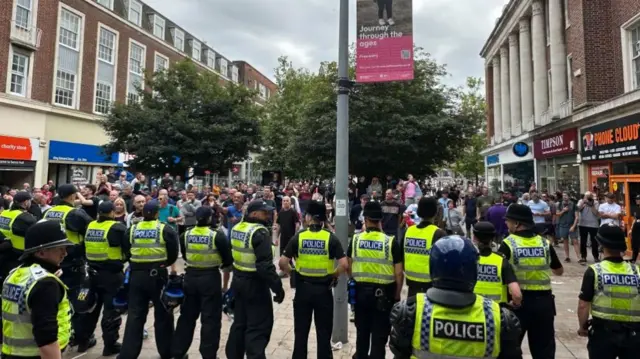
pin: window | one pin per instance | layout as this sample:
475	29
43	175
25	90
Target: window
69	29
196	50
263	90
224	67
162	63
635	55
106	45
569	77
565	5
19	73
135	12
211	59
65	88
103	98
234	74
136	67
158	26
178	39
68	60
106	3
23	14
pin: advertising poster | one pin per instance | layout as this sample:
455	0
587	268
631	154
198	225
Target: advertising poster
384	48
611	140
562	143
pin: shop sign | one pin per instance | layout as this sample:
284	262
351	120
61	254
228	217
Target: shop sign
17	163
520	149
19	148
611	140
493	159
561	143
599	171
79	152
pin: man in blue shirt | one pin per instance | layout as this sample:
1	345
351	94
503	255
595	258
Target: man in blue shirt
234	216
540	210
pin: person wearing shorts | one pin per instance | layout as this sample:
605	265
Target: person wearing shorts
566	225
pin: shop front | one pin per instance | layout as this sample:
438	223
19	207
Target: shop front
610	151
557	163
511	169
77	163
18	160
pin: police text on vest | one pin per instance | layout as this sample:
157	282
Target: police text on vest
620	279
193	239
312	244
530	252
451	329
416	243
94	235
371	245
12	292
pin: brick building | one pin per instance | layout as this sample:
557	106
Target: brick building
66	61
563	110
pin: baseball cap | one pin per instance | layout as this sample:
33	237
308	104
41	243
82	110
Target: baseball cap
106	207
150	208
259	205
203	212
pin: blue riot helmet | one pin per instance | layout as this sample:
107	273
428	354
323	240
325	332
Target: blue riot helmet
121	299
228	303
453	264
82	297
172	294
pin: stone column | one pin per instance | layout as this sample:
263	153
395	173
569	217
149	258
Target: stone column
539	49
514	85
558	56
526	73
497	103
504	87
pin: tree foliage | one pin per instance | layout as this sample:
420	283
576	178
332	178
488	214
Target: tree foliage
394	128
470	163
186	118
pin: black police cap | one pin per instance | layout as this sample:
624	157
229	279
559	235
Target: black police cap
612	237
106	207
66	190
21	197
203	212
44	235
372	210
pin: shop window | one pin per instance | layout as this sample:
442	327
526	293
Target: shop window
518	177
494	179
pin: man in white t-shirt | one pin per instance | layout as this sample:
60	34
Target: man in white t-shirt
610	211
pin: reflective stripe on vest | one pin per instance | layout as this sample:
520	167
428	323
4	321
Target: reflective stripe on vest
97	245
147	242
372	258
244	258
201	250
530	258
59	213
313	253
17	329
6	228
617	292
447	333
417	248
489	284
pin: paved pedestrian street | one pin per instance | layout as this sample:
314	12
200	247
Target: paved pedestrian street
568	344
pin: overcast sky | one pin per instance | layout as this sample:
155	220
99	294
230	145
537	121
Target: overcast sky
259	31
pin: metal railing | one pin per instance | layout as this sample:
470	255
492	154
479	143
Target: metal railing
29	36
566	108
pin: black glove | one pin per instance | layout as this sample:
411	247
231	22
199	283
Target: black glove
279	297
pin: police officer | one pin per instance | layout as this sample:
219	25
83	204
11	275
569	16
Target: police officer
206	251
417	243
376	266
495	274
610	291
315	249
36	313
533	260
253	275
154	248
635	231
450	321
75	222
105	245
13	226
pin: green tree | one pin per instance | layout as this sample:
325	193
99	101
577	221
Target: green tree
470	163
185	118
397	127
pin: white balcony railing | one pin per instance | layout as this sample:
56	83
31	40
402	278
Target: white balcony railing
29	36
529	123
566	108
545	118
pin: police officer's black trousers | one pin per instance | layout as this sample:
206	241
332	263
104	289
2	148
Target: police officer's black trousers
146	286
312	300
537	315
73	277
203	297
253	319
621	343
372	326
105	285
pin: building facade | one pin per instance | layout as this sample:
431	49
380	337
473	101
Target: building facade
66	62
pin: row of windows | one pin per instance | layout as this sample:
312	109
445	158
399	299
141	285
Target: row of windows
158	28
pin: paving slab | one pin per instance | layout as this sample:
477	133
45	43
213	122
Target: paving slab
568	344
